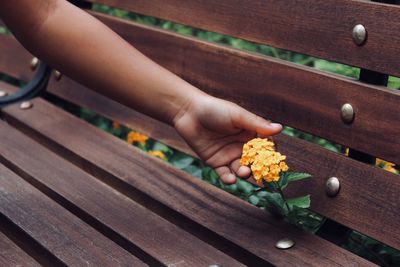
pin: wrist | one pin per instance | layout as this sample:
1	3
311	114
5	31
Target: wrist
186	105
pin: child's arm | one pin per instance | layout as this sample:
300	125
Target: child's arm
83	48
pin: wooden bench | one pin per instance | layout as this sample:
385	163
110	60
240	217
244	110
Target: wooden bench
71	194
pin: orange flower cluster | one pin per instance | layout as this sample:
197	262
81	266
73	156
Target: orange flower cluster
136	137
157	153
265	162
386	165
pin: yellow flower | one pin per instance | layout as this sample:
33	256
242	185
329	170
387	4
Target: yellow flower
136	137
116	125
386	165
157	153
265	163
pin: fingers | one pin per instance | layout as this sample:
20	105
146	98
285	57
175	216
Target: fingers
241	171
226	175
246	120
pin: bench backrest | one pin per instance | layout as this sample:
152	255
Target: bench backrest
297	96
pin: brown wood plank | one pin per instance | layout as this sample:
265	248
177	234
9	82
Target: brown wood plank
355	207
60	233
14	59
269	91
105	208
127	169
296	96
321	28
12	255
80	95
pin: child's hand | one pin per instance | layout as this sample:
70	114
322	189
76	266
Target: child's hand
217	129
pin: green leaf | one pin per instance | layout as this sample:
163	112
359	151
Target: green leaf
182	161
296	176
283	180
161	147
275	203
193	170
301	202
254	200
245	187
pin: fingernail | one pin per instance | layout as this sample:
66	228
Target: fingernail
276	125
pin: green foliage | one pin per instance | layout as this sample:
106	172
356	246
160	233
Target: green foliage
4	30
372	250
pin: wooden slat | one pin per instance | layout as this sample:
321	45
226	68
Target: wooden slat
14	59
273	89
321	28
12	255
128	169
296	96
104	206
80	95
355	206
68	239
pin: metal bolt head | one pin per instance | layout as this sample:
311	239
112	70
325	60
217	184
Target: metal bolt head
26	105
332	186
359	34
285	243
58	75
34	63
347	112
3	93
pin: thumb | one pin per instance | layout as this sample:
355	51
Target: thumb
246	120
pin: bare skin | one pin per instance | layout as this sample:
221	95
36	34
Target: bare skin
86	50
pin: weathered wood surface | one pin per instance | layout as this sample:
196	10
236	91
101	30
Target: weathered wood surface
296	96
205	209
12	255
135	227
355	206
58	236
321	28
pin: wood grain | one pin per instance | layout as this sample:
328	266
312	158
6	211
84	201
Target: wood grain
296	96
70	240
128	170
321	28
308	100
12	255
103	208
355	207
14	59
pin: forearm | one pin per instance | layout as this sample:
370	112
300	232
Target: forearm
83	48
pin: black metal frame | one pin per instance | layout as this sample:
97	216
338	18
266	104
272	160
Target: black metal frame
33	88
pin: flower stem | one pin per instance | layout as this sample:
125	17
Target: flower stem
282	195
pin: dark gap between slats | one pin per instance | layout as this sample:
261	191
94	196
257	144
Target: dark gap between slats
194	228
27	243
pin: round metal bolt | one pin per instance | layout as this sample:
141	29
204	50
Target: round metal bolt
285	243
359	34
58	75
3	93
26	105
347	112
332	186
34	63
